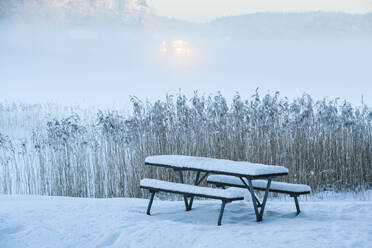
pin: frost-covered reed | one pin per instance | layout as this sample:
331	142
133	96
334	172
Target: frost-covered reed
326	144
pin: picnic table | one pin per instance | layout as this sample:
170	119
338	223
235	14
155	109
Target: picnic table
247	173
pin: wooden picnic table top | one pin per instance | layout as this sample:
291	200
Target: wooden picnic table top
217	166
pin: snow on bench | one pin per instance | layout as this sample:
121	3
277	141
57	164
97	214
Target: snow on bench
218	166
279	187
294	190
192	190
225	195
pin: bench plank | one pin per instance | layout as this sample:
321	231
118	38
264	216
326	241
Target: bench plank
192	190
225	195
279	187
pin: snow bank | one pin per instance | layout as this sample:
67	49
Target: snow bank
218	165
61	222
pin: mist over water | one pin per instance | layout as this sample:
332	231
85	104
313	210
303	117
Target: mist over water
100	58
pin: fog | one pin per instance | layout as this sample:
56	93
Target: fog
103	59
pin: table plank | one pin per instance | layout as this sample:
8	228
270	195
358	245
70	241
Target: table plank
217	166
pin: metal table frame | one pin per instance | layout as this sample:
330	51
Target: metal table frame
259	206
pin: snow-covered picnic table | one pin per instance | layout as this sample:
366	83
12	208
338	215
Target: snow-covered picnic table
245	171
217	166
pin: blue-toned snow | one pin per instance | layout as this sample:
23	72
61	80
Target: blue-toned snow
41	221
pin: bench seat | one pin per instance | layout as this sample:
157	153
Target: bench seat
187	190
294	190
259	184
192	190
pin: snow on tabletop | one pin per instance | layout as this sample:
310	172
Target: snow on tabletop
261	183
218	165
192	189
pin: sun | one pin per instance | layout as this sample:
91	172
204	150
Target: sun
179	48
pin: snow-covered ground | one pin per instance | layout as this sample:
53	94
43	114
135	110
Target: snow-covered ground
41	221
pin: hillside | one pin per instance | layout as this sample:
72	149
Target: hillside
309	25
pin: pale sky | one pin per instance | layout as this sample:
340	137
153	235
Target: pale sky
205	10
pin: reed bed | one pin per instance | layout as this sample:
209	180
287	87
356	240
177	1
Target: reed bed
326	144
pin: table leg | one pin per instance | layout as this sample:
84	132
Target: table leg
184	197
259	204
198	180
250	188
260	213
255	195
265	198
221	212
196	183
297	205
150	202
